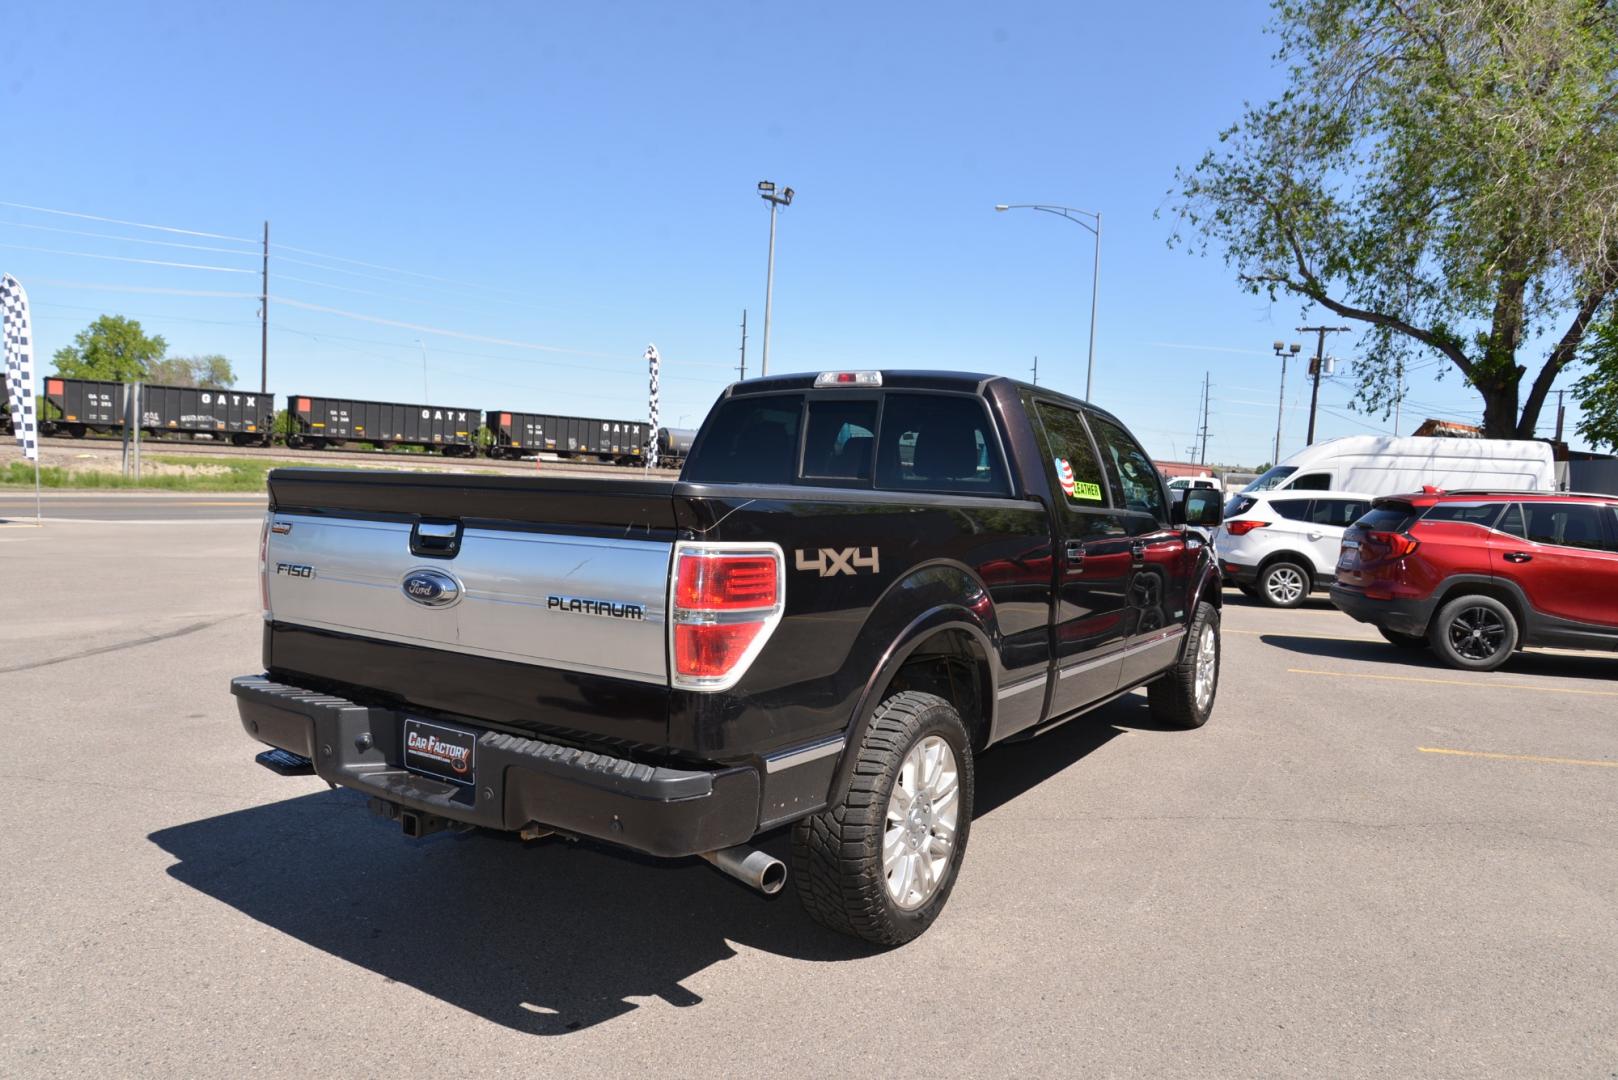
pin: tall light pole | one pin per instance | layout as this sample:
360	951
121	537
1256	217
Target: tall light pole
766	191
1284	351
1095	279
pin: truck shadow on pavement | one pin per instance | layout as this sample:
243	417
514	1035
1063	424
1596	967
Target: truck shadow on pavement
1595	665
547	937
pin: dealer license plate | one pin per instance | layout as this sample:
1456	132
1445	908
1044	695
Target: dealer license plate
445	753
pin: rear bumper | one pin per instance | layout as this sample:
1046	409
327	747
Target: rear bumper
661	811
1402	616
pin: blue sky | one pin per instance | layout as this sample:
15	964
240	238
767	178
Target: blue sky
580	178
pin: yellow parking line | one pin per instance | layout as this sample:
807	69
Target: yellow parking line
1455	682
1518	757
1297	633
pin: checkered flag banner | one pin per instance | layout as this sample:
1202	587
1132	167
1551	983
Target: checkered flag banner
652	362
19	345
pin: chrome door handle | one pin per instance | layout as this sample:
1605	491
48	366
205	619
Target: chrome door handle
1316	536
1075	551
1517	557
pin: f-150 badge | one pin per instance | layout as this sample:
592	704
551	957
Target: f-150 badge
829	562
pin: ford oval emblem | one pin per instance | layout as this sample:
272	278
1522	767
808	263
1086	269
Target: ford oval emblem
431	588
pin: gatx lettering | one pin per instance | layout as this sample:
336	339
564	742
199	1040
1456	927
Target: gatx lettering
829	562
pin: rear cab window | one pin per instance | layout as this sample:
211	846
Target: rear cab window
924	441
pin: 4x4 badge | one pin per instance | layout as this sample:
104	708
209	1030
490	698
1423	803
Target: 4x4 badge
830	562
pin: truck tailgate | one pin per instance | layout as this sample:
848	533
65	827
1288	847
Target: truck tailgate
565	580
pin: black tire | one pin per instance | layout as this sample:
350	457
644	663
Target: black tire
837	853
1474	633
1173	697
1284	584
1404	641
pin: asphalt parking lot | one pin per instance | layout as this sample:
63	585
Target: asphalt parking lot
1366	864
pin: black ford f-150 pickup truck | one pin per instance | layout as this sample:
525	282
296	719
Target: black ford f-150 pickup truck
860	582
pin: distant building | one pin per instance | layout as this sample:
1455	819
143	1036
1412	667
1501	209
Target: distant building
1171	469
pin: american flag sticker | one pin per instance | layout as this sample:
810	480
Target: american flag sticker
1064	475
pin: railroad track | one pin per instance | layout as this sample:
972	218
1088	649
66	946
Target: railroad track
547	463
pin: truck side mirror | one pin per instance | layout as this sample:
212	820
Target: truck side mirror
1198	506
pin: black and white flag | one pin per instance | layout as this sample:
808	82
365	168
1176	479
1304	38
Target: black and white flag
19	346
652	362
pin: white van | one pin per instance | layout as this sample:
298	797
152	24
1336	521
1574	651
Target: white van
1383	465
1187	483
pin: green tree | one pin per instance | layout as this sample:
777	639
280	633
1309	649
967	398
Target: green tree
113	348
211	372
1443	171
1597	391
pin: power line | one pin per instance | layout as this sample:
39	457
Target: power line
94	287
131	224
127	259
392	269
126	239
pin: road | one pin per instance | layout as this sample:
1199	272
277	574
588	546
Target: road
1333	878
17	507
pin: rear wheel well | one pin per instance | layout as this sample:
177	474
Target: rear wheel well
1459	589
1295	558
952	665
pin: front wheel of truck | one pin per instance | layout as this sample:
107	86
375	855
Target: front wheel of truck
879	863
1183	696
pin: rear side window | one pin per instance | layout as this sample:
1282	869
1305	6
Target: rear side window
1484	514
1577	525
1292	509
939	442
1135	483
840	440
1239	504
1072	463
1315	481
749	440
1388	517
1339	513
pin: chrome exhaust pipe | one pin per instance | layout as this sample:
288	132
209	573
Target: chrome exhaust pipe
751	867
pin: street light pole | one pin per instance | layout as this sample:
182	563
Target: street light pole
1283	351
766	191
1095	279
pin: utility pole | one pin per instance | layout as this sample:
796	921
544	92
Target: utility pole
1316	367
426	398
1036	371
1561	412
264	319
1398	395
741	369
766	191
1202	457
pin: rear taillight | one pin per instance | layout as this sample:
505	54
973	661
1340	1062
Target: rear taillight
1242	528
1396	545
727	599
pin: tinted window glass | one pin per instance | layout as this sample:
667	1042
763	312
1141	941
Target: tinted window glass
1339	513
749	440
1315	481
1238	504
839	440
1511	522
1389	517
1293	509
939	442
1576	525
1484	514
1068	446
1131	474
1271	478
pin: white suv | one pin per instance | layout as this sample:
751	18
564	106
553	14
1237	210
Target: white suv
1278	546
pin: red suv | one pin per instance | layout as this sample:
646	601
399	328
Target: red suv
1479	574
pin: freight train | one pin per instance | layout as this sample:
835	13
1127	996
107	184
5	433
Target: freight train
79	407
